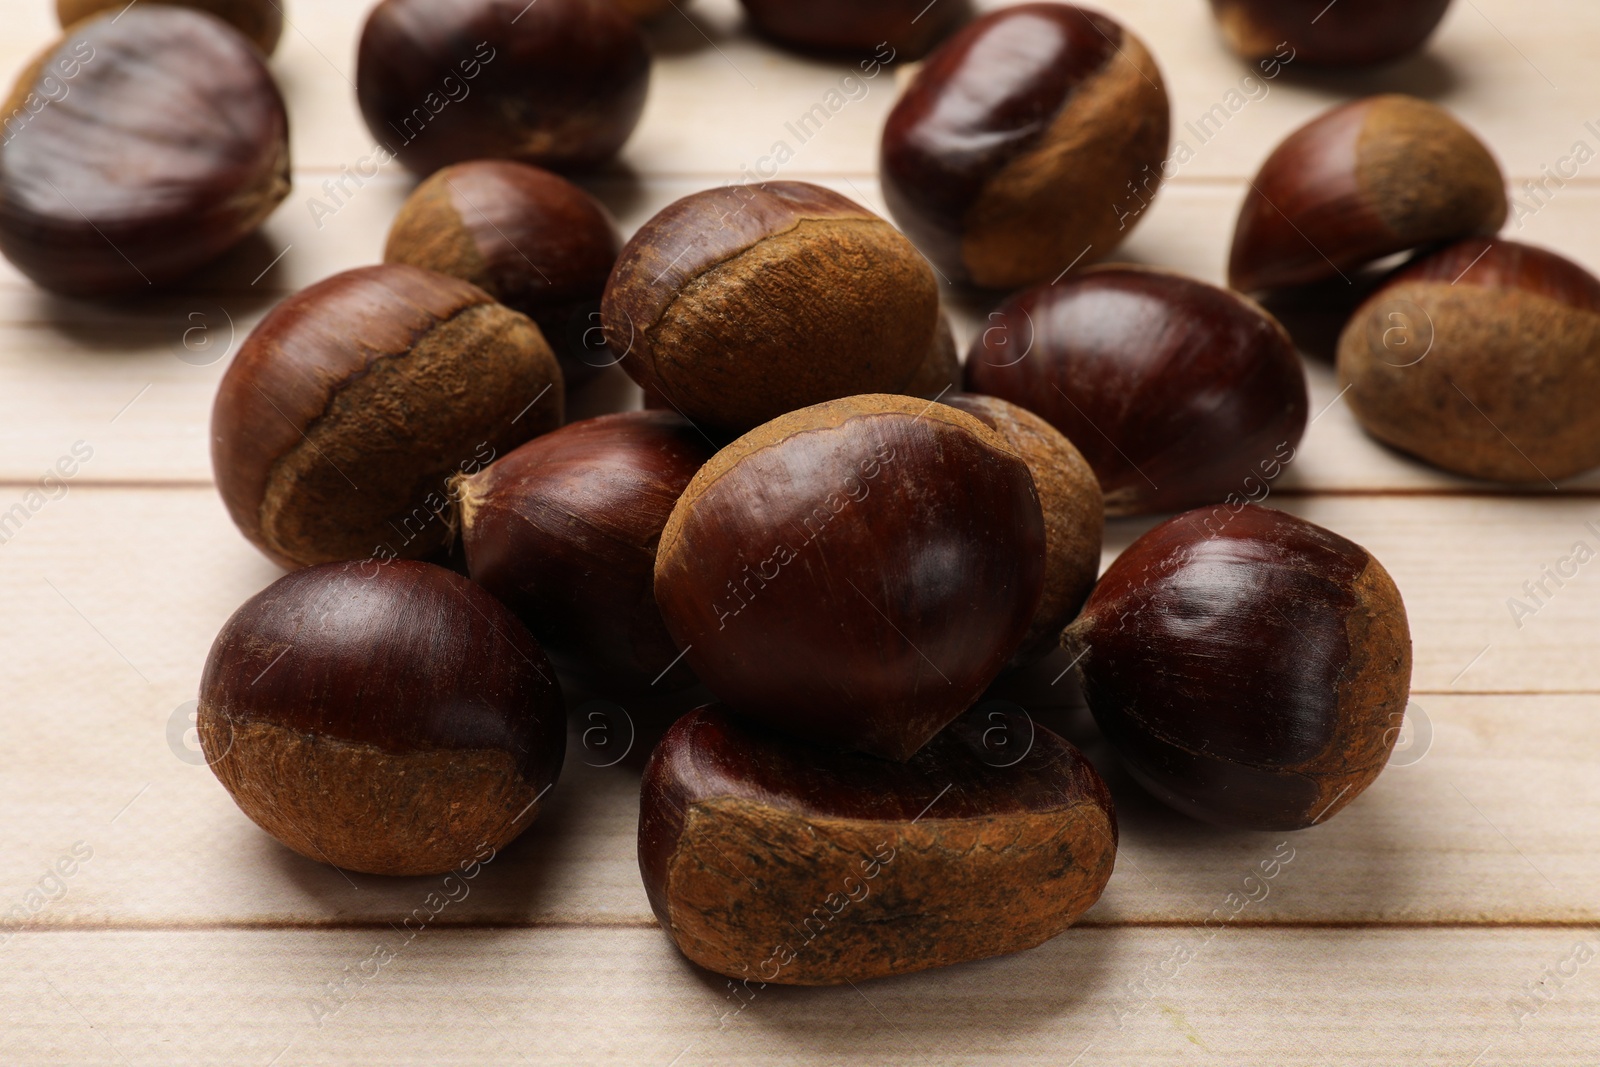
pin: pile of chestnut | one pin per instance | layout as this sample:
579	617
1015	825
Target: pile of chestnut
825	530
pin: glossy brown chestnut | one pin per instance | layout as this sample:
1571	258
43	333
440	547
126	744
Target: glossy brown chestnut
560	83
392	719
347	410
1360	182
1074	514
940	371
259	20
1483	359
855	573
741	303
1251	668
530	239
1027	143
1177	392
564	531
137	148
887	29
1350	33
777	861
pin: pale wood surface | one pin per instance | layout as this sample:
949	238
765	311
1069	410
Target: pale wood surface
1408	929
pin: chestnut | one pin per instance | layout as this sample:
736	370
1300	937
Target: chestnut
940	370
1358	183
1178	393
775	861
1250	668
1029	142
532	240
388	718
353	402
744	302
174	148
1074	514
1483	359
259	20
558	83
857	572
564	531
643	10
1349	33
898	29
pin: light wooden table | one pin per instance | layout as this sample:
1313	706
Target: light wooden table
1449	916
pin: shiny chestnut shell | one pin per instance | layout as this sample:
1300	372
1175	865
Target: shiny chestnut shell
1252	669
388	718
885	29
1360	182
564	531
531	239
770	859
166	145
558	83
857	572
1483	359
259	20
1350	33
1178	393
352	403
1010	156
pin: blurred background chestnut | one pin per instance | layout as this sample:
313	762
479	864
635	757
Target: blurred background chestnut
1177	392
1346	33
558	83
1360	182
259	20
531	239
173	149
392	719
1484	359
1251	668
564	531
351	405
857	572
1029	142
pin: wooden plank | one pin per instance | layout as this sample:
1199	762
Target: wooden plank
1245	997
114	596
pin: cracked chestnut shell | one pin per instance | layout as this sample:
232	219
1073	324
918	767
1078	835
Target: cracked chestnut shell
1250	668
1483	359
772	860
137	148
531	239
1350	33
1027	143
259	20
564	531
392	719
1178	393
741	303
855	573
1358	183
558	83
353	402
907	28
1074	514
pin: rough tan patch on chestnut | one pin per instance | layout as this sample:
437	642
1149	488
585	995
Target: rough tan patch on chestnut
1426	175
1074	518
1509	391
747	877
373	811
1039	213
400	429
825	308
428	232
